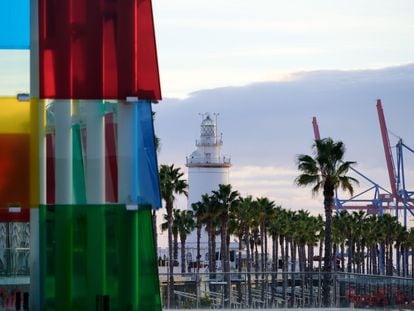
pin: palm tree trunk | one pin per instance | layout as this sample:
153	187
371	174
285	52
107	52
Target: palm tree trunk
286	263
412	262
292	270
381	260
328	204
302	260
175	236
170	295
249	279
213	249
210	247
183	263
225	258
256	262
320	255
284	269
397	248
310	269
198	248
349	263
363	257
293	256
359	257
239	268
274	268
390	259
263	264
198	260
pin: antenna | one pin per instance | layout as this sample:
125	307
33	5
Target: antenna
216	114
202	115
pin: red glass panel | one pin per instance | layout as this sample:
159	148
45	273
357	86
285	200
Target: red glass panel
97	49
14	170
14	216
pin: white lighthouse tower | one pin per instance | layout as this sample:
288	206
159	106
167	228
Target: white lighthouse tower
207	166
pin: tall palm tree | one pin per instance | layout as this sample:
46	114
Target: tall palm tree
198	212
359	219
275	232
326	172
185	225
174	229
339	227
172	183
246	211
225	198
265	208
239	223
389	225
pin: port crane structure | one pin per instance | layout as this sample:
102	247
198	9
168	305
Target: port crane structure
376	198
402	196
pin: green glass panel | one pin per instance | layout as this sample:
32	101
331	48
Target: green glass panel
96	250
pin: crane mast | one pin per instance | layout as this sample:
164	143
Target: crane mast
387	149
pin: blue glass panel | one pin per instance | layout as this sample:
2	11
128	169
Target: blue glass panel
14	24
148	182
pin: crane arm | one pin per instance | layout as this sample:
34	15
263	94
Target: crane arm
387	149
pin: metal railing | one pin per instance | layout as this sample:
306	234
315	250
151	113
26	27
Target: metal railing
285	290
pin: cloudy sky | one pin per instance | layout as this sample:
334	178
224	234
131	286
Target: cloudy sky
206	44
268	67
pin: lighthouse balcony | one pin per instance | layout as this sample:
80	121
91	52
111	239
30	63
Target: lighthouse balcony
209	142
223	161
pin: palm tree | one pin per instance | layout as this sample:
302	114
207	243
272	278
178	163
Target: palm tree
185	225
246	210
265	208
359	219
275	232
239	222
225	199
198	212
326	171
389	225
171	184
339	227
174	228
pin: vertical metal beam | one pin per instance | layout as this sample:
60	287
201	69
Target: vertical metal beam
404	194
35	285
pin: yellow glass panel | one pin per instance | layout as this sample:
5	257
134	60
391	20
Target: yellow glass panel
14	115
19	152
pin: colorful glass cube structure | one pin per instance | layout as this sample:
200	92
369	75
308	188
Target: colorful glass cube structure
83	149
